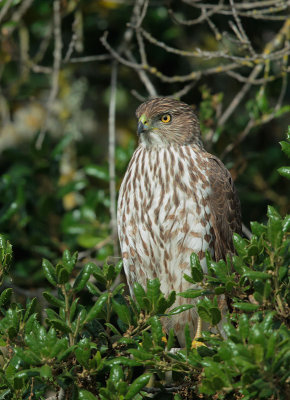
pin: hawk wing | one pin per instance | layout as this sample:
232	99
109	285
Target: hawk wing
225	207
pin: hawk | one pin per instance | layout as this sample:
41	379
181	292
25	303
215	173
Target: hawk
175	199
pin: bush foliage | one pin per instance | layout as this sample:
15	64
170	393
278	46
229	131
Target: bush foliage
95	342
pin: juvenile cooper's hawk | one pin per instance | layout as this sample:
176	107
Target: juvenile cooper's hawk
175	199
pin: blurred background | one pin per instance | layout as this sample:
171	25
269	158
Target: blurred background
63	66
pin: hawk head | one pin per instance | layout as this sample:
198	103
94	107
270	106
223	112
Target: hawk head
164	121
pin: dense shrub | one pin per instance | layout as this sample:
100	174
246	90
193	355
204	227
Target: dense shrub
94	341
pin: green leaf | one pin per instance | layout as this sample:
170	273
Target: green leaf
139	294
258	229
258	353
157	332
246	306
153	291
244	326
272	213
69	260
53	300
49	272
282	110
285	148
28	356
204	314
170	339
97	171
110	273
215	315
113	329
5	296
286	224
192	293
124	361
30	308
256	275
60	325
62	276
275	233
137	385
122	311
45	371
93	289
238	264
83	277
188	278
83	352
97	307
86	395
116	374
26	373
220	290
196	269
180	309
73	308
118	267
171	299
99	275
141	354
240	244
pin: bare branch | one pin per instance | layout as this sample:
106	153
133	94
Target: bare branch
112	141
143	77
5	8
100	57
18	14
56	69
275	42
244	37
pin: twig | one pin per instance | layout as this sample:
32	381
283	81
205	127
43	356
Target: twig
143	77
138	95
112	140
246	232
238	98
18	14
260	81
56	69
242	31
164	78
275	42
5	8
71	48
204	15
43	45
87	253
100	57
184	90
253	123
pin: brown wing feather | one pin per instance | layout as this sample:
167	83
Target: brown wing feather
225	207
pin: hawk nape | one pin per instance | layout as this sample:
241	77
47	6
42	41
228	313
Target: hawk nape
175	199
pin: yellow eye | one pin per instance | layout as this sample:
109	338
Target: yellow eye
166	118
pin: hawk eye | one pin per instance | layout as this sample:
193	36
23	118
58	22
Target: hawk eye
166	118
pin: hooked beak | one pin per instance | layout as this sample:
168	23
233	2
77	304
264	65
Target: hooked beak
142	124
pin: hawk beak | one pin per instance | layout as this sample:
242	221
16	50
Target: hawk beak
142	124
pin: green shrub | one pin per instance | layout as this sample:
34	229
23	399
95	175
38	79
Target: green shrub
97	342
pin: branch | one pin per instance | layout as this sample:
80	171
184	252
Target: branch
275	42
18	14
56	70
5	8
112	141
100	57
